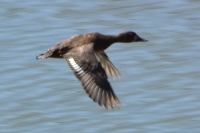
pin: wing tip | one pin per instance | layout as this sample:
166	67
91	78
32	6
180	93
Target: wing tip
112	106
110	103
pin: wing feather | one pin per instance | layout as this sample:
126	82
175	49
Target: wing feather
89	71
109	68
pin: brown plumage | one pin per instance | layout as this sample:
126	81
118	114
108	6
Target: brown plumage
86	57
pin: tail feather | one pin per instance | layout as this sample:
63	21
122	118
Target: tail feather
40	56
46	55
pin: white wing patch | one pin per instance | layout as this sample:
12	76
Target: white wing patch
76	67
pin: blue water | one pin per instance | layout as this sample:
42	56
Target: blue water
159	89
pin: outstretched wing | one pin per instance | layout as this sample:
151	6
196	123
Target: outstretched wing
110	69
89	71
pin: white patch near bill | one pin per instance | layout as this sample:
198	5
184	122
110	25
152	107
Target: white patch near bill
75	66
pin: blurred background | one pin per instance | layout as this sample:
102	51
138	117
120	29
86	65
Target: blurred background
160	86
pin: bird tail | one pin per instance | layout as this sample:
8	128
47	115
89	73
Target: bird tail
45	55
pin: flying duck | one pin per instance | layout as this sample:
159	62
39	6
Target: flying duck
86	57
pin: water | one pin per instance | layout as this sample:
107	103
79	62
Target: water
159	89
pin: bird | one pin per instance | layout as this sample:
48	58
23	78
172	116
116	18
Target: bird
85	55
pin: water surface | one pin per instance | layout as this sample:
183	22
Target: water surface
159	89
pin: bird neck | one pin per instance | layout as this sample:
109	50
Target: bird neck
103	42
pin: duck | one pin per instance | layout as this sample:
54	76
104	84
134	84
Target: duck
85	55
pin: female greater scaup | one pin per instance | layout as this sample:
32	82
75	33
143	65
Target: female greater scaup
86	57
